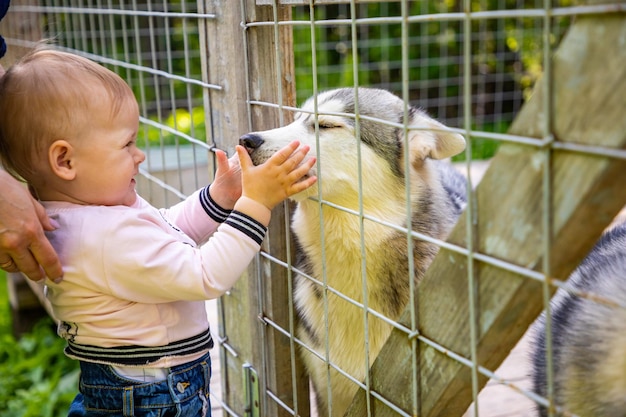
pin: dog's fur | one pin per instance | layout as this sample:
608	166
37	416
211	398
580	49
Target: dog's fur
330	239
588	336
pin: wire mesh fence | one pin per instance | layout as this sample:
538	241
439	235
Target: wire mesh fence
473	65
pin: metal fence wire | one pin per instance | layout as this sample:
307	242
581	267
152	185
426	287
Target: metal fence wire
205	73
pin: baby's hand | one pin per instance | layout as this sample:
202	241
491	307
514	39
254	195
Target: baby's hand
279	177
226	188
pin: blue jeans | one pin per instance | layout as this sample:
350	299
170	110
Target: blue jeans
185	392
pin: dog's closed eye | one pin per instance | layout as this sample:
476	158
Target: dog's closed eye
324	122
325	125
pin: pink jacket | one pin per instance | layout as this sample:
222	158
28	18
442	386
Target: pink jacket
136	278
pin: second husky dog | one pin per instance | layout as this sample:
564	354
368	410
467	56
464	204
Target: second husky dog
588	335
339	248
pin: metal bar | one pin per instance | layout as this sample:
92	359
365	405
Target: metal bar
108	11
461	16
469	224
546	217
415	375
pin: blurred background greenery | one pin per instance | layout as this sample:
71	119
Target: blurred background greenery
36	378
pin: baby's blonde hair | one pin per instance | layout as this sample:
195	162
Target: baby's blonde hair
47	96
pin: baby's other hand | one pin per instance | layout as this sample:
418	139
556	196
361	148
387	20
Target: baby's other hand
226	188
278	178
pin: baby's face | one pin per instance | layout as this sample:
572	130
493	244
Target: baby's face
107	158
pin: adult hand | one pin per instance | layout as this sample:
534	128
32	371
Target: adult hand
23	244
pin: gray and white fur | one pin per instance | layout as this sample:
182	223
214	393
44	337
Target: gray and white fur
588	336
330	239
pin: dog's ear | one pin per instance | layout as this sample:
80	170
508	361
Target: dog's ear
435	141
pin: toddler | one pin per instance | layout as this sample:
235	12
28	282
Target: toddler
131	304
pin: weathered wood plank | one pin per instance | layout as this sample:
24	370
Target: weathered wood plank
269	49
589	99
28	303
25	294
226	109
227	58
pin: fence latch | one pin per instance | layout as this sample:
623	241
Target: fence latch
251	391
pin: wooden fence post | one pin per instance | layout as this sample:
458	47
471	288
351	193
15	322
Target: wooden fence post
255	297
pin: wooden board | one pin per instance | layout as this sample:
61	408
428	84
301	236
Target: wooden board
264	291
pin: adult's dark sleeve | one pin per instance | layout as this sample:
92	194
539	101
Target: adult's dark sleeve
4	7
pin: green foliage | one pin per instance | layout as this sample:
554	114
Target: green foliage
506	58
481	149
182	121
38	380
433	48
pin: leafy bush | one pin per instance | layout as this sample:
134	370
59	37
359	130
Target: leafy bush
38	380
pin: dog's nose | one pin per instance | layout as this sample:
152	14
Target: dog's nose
250	141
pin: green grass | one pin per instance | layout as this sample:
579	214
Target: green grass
36	378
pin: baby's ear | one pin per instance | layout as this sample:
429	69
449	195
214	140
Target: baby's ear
60	155
439	143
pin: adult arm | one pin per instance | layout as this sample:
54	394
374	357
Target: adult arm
23	245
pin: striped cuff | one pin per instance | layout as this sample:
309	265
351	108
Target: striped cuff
139	355
246	224
211	207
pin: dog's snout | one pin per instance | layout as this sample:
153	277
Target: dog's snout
250	141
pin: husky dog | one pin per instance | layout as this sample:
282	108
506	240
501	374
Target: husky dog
588	335
335	244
